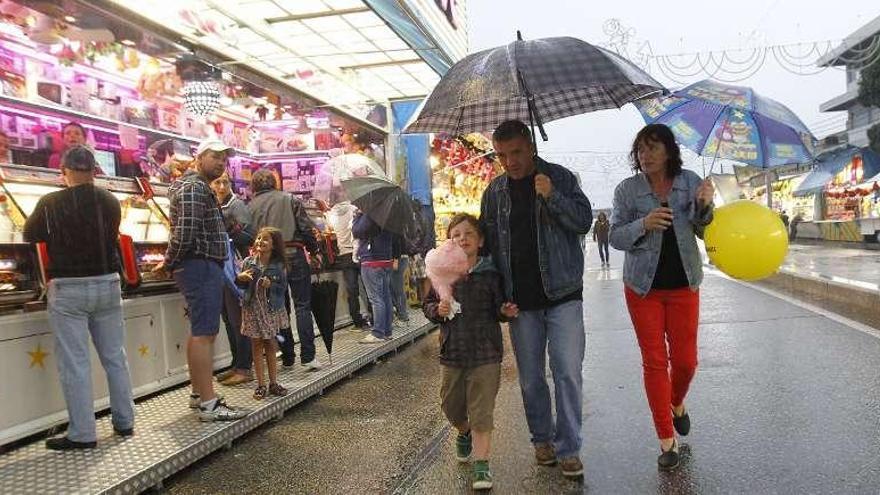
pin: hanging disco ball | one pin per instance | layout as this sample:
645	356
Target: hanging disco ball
201	97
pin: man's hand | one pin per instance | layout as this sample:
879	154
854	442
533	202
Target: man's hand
395	265
159	270
659	219
246	276
706	192
543	186
264	282
444	308
510	310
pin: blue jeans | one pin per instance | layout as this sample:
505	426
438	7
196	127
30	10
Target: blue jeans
398	289
377	281
603	252
79	307
559	330
239	345
299	281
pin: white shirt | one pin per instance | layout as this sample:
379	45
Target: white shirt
340	219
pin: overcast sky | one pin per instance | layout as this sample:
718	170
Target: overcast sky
672	27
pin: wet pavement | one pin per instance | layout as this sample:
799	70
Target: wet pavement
858	267
786	400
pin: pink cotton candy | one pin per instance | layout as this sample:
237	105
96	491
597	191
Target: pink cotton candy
446	264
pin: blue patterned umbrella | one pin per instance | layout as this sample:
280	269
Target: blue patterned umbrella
733	123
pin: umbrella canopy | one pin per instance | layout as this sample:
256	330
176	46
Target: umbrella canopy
342	167
324	295
732	122
386	203
831	163
561	76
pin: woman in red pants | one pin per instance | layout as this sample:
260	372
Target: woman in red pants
658	214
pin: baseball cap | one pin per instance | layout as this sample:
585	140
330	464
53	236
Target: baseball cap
79	158
213	145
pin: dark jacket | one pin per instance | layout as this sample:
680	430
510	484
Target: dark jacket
276	273
375	244
473	337
239	224
274	208
562	221
601	230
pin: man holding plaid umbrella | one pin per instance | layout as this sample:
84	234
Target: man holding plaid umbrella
534	217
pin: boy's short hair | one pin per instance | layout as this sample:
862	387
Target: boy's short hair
460	218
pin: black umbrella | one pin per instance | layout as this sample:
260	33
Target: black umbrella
324	295
385	203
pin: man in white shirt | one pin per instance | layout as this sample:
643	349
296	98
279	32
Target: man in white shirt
339	218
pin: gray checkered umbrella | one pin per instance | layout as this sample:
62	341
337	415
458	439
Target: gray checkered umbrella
563	76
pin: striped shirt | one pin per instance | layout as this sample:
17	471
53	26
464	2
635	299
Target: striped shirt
197	229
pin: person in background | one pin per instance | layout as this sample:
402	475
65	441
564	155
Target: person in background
600	235
80	226
376	253
657	216
4	148
196	253
472	349
784	217
72	134
273	208
398	281
793	228
340	218
237	220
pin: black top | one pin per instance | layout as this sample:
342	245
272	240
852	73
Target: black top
80	226
528	288
670	272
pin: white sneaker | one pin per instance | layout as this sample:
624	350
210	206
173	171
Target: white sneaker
195	401
371	339
313	365
221	412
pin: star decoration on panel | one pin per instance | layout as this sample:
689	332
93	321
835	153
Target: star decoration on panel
144	350
38	357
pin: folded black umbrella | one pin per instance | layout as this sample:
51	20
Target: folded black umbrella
324	295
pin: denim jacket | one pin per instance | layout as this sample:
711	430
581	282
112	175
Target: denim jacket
563	219
633	200
275	272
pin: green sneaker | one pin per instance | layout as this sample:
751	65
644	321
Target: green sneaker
463	447
482	476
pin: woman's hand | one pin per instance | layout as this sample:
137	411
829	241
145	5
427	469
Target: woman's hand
246	276
264	282
444	308
659	219
705	192
510	310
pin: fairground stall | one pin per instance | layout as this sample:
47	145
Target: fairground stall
146	91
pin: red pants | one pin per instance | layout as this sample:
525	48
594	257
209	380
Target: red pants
666	328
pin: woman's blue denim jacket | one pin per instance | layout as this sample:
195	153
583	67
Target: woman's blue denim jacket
276	273
563	219
633	200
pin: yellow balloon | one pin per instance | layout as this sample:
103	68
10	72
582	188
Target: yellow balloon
746	240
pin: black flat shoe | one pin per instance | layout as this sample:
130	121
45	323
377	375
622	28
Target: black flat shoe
682	423
669	459
64	443
125	432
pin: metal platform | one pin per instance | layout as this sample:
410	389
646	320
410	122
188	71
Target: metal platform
168	435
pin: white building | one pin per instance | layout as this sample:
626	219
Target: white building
851	53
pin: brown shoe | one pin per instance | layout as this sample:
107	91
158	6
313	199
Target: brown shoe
236	379
223	375
277	390
545	454
572	467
